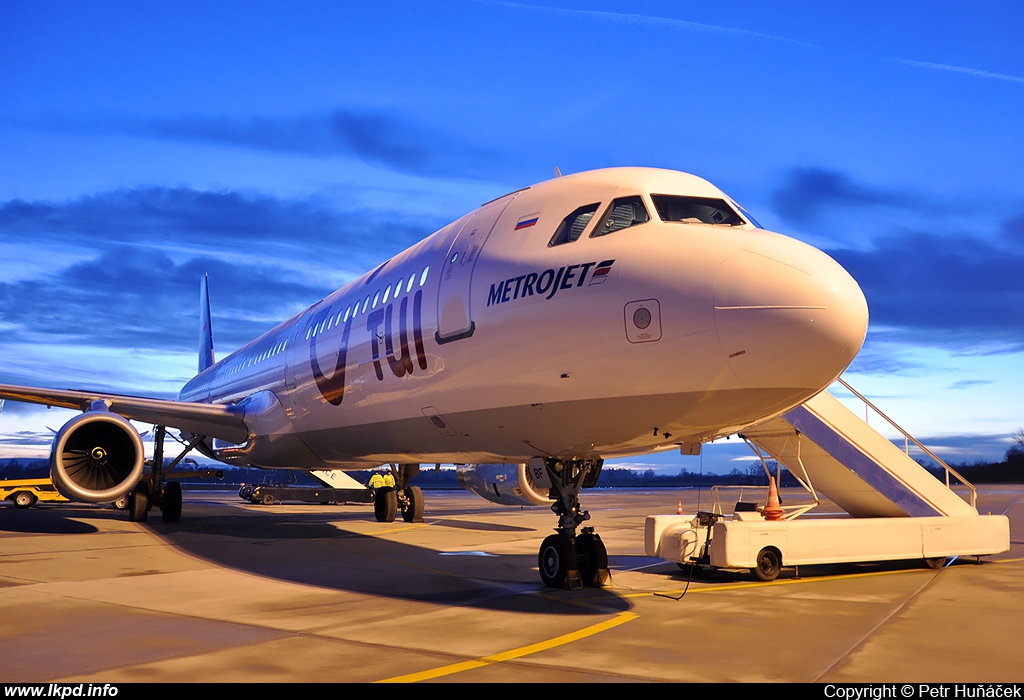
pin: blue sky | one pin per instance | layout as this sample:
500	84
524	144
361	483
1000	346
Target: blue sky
287	147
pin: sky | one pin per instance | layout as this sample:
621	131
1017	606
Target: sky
285	148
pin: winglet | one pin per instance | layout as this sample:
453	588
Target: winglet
205	329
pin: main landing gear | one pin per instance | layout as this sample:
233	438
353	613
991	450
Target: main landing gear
389	501
153	489
568	560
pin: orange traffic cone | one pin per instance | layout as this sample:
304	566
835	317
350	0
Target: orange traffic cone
773	511
679	508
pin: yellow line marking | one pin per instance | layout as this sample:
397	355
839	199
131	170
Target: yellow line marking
414	526
448	670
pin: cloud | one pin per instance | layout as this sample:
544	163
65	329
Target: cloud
967	448
942	290
142	252
876	359
380	138
808	194
16	408
27	438
134	297
941	287
970	383
213	220
1013	229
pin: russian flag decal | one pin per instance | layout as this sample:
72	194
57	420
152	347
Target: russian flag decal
527	221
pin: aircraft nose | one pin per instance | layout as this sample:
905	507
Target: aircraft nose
787	315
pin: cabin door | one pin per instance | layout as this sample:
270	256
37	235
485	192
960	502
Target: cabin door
454	310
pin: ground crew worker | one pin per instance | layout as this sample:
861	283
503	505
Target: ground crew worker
377	481
389	478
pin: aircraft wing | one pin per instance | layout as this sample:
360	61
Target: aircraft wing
220	421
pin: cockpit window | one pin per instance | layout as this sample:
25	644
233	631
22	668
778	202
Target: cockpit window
623	213
748	216
572	226
696	210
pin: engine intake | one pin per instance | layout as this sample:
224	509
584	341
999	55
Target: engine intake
507	484
96	457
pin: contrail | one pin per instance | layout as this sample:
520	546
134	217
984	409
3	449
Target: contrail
638	19
960	69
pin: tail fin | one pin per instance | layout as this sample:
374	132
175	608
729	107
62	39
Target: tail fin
205	329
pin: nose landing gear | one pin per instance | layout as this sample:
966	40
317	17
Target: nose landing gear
568	560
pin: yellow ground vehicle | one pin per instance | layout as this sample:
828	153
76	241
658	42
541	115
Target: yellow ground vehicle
26	492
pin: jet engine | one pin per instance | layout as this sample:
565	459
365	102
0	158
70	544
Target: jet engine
507	484
96	457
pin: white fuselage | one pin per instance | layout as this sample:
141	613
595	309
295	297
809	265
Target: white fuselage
483	343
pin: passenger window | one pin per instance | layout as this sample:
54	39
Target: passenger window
623	213
573	225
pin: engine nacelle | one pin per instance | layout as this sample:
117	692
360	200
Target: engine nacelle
96	457
507	484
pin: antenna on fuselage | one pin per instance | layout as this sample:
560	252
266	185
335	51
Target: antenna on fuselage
558	173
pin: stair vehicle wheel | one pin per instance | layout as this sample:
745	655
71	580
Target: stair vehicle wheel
138	503
555	559
170	504
592	557
385	505
268	499
24	499
413	510
769	564
935	562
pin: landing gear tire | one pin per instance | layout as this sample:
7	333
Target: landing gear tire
170	504
555	560
138	503
593	560
413	510
24	499
769	564
935	562
385	505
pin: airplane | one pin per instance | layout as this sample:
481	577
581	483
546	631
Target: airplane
599	314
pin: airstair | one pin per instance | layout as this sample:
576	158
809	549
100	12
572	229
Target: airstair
900	509
833	451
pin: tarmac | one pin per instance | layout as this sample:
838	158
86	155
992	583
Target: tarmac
237	592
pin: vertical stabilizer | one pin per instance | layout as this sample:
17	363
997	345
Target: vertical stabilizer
205	329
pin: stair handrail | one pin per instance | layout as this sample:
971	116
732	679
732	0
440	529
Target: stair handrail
907	436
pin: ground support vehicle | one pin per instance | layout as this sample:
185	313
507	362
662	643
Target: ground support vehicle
25	493
271	494
745	540
897	508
